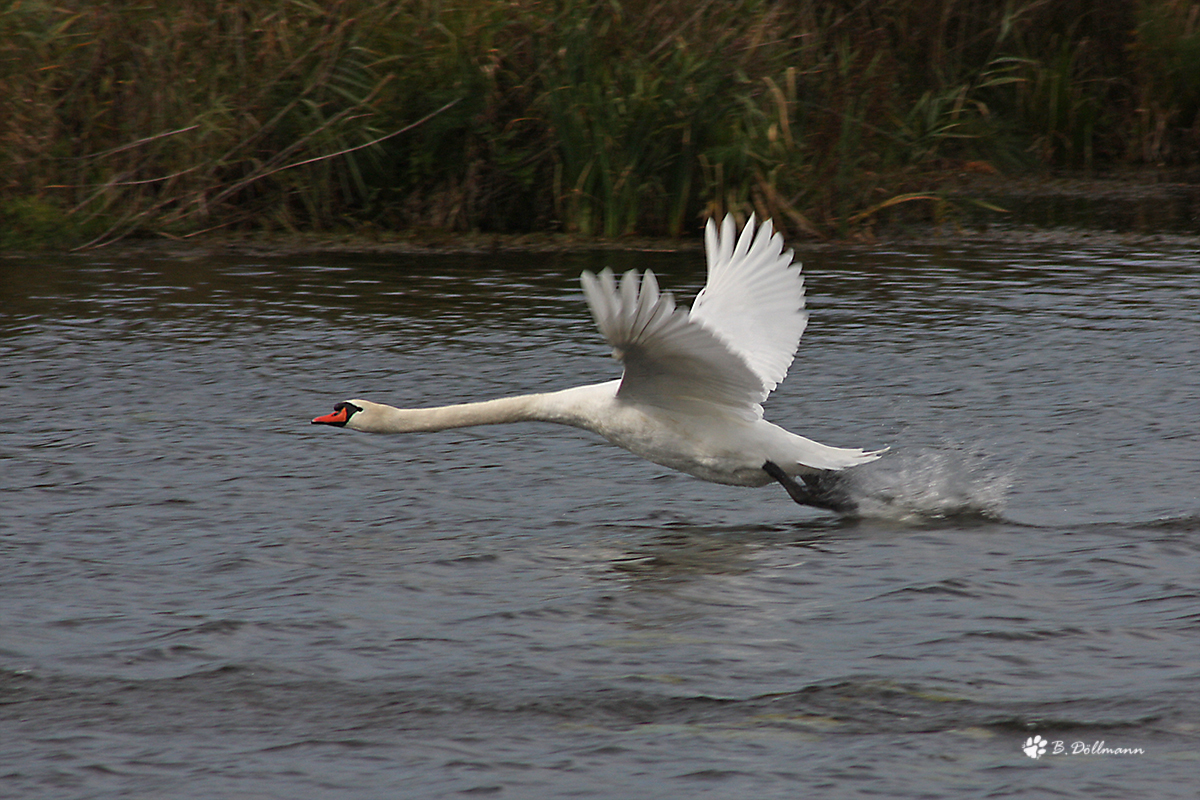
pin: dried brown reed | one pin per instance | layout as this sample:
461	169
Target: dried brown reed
604	118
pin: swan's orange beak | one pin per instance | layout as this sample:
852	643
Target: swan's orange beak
338	417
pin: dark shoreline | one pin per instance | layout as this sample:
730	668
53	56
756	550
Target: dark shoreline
1053	210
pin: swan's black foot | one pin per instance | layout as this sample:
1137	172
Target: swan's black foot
825	489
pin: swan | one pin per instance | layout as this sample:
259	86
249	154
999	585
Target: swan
691	394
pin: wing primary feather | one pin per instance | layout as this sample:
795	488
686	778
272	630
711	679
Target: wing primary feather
728	235
644	305
712	245
744	241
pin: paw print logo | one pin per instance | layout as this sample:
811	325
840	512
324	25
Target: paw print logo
1034	747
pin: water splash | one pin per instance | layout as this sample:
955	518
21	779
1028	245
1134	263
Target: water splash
949	482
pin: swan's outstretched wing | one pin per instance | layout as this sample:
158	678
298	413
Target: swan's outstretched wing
754	297
671	360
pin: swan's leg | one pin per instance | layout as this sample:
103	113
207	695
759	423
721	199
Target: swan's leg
822	490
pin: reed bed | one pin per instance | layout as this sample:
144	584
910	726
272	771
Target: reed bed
603	118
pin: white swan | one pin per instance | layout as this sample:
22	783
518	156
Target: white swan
690	397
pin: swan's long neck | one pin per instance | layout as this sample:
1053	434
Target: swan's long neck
569	407
387	419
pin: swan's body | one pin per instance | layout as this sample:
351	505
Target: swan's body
691	394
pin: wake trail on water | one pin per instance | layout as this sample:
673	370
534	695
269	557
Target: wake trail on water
931	484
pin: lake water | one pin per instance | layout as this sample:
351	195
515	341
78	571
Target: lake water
204	595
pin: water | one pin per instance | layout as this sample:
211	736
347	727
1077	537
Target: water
205	596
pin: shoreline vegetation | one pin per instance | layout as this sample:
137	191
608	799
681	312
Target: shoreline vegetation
580	118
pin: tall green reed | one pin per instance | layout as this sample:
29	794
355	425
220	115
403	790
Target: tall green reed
604	117
183	117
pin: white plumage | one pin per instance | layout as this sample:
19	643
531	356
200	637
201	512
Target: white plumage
694	382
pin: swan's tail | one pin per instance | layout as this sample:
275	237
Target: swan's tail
815	455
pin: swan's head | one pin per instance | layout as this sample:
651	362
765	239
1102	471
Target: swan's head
350	414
